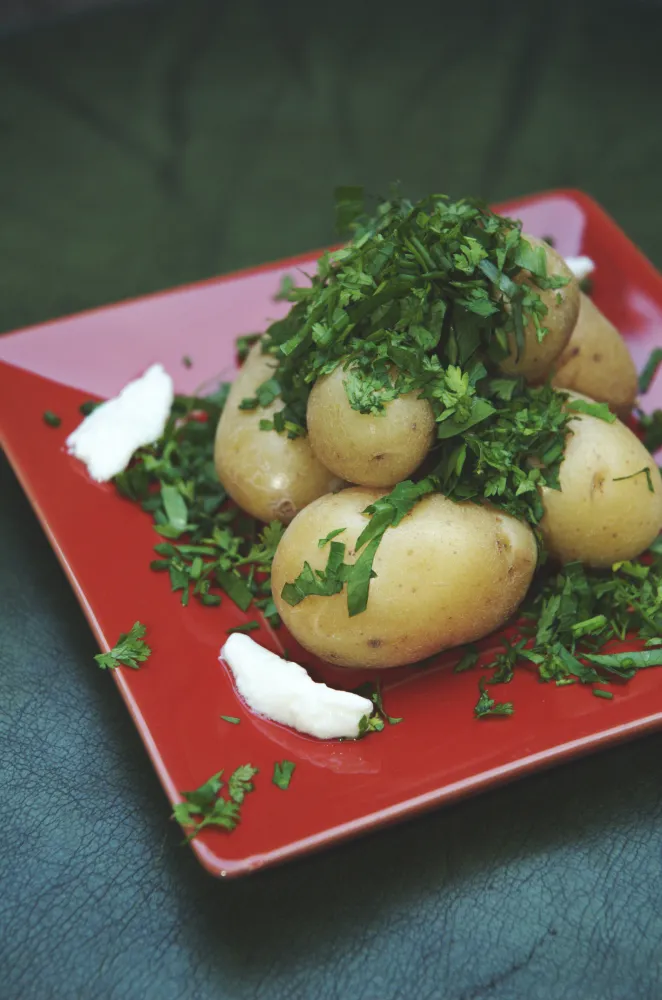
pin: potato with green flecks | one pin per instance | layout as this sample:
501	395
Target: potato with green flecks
370	449
449	573
538	355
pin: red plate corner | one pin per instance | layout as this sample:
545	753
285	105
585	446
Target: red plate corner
177	698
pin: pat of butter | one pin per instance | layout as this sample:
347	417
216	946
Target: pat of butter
108	437
284	692
581	267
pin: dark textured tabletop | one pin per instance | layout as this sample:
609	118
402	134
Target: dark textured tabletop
151	145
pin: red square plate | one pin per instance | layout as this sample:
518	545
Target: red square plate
439	752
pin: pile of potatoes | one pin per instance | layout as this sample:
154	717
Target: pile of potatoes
449	573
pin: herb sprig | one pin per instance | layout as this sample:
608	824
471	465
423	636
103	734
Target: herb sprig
130	650
205	806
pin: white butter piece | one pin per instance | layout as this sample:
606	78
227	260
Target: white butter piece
283	692
581	267
108	437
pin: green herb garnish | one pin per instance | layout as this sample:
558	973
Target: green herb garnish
89	406
486	706
649	371
232	719
208	547
130	650
206	807
51	418
251	626
282	775
240	782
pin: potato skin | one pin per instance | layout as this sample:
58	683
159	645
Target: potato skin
596	361
537	357
269	475
594	519
447	574
368	449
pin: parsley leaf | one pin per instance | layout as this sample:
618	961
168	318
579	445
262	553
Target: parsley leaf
282	775
486	706
240	783
206	807
599	410
130	650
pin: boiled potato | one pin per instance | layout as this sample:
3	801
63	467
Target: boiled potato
599	517
269	475
447	574
597	362
369	449
537	358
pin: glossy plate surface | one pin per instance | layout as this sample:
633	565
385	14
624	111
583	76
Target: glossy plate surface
439	752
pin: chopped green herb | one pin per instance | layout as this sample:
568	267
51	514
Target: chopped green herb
206	807
645	471
130	650
486	706
240	783
376	721
187	362
599	410
210	548
244	344
467	661
601	693
89	406
282	775
231	719
287	286
649	371
370	724
650	426
247	627
51	418
327	538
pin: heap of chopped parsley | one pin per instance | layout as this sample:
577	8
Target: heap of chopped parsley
426	297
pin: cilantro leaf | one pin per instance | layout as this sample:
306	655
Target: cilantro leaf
130	650
282	775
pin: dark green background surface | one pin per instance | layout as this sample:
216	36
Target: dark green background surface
141	148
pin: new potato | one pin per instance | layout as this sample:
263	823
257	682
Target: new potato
600	517
369	449
447	574
269	475
537	358
596	361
